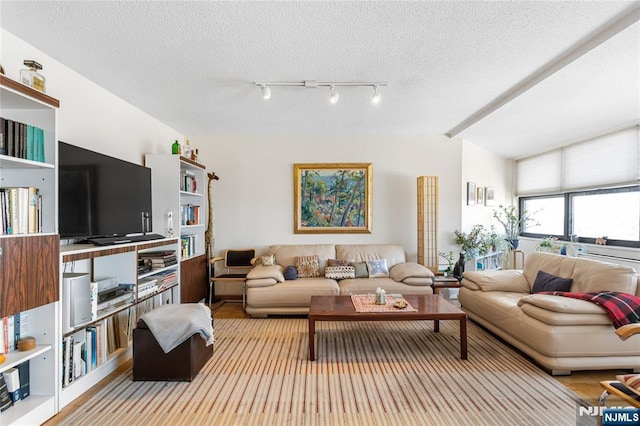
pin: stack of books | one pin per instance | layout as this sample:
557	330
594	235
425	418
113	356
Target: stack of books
21	140
20	210
159	259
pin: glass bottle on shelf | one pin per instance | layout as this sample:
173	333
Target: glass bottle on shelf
31	77
175	148
186	152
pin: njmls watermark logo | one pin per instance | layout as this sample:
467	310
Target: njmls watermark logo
612	416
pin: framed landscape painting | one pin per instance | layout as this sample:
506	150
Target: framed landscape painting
332	198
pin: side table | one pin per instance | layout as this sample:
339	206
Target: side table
440	282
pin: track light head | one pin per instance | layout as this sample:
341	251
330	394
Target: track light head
334	95
266	91
376	96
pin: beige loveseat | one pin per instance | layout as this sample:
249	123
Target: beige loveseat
559	333
269	293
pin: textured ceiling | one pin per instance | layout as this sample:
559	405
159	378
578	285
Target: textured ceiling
192	65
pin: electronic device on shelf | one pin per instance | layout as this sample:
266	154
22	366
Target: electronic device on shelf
102	196
108	241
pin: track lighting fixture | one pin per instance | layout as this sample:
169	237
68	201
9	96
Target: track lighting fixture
334	95
376	95
312	84
266	91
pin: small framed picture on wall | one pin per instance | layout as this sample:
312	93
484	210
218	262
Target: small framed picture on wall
480	196
471	194
488	196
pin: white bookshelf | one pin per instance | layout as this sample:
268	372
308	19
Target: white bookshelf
34	296
120	262
170	197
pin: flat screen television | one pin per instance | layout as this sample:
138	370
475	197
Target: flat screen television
101	196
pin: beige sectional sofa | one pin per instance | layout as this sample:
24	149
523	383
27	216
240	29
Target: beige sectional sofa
559	333
268	293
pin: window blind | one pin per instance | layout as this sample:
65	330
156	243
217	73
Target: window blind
610	160
539	174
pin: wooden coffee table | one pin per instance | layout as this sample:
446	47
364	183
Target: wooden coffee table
429	307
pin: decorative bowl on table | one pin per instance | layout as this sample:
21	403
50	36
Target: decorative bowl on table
400	304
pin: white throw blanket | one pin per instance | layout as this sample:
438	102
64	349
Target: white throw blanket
173	324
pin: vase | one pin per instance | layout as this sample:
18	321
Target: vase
458	268
513	244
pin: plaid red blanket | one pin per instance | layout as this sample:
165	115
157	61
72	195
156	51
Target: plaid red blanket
622	308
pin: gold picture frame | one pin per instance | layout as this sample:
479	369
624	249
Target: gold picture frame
332	198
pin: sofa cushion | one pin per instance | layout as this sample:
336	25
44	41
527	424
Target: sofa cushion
261	271
308	266
592	276
548	282
378	268
409	270
362	252
292	294
290	273
503	280
361	269
339	272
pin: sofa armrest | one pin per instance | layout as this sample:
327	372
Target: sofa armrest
561	304
259	272
402	271
503	280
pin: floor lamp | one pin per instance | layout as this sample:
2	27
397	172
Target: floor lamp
428	222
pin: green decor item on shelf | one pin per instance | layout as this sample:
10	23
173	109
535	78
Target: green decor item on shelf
175	148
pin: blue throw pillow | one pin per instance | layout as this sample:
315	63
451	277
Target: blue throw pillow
290	273
548	282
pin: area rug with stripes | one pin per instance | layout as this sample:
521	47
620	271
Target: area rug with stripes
366	373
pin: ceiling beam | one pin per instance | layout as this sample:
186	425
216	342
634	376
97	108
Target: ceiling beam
617	24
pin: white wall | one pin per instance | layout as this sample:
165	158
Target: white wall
484	168
253	200
90	116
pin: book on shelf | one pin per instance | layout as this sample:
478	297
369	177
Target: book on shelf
188	245
12	379
9	133
3	137
5	396
24	375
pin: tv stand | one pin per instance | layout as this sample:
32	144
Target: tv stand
110	241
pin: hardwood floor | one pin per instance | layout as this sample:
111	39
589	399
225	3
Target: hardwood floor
585	384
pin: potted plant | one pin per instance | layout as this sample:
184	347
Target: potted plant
512	222
450	261
477	241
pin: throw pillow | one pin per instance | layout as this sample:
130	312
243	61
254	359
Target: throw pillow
308	266
548	282
339	272
336	262
361	269
631	381
269	260
377	268
290	273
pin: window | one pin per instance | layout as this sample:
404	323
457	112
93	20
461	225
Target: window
588	189
611	213
549	214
